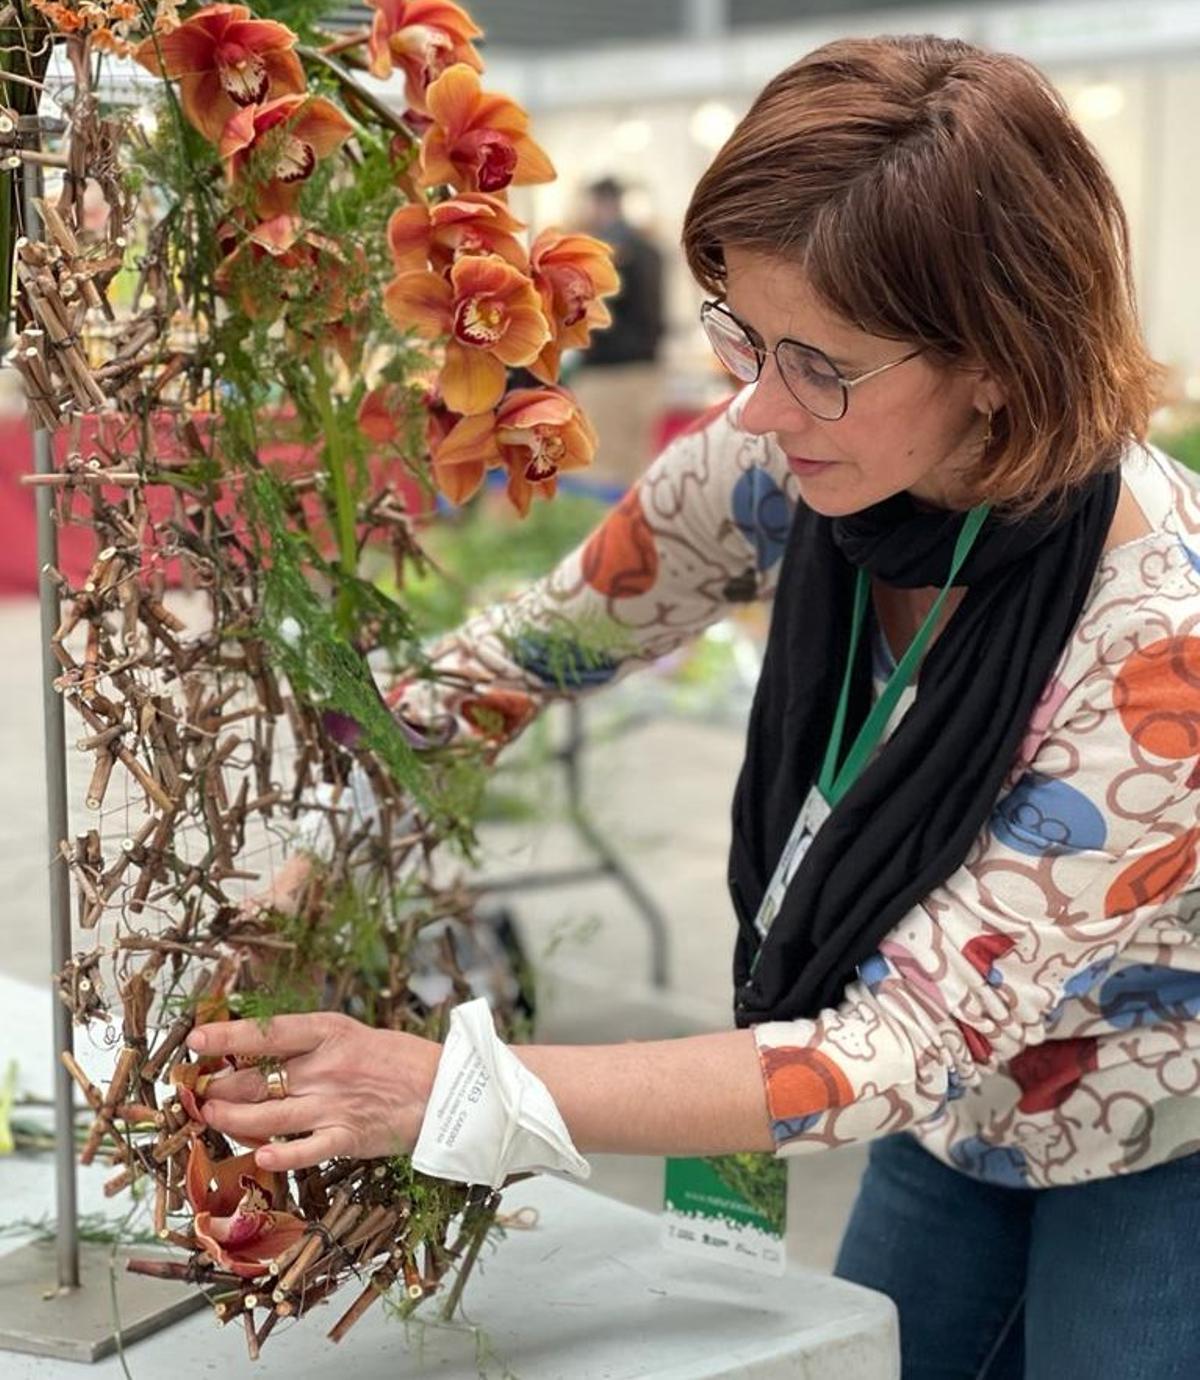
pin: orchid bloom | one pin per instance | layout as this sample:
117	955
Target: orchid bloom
423	38
379	414
492	314
535	433
386	409
478	141
275	147
236	1221
422	236
572	273
277	268
224	61
239	272
190	1080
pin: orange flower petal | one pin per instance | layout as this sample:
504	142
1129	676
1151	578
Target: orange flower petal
471	380
436	168
501	112
277	199
408	238
377	416
278	234
525	407
459	482
554	253
281	1230
533	164
486	275
548	363
258	35
441	14
215	1185
206	105
519	491
286	72
238	132
191	47
421	302
471	441
454	98
379	52
476	206
322	126
527	332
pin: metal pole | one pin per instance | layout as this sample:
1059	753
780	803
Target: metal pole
66	1210
60	892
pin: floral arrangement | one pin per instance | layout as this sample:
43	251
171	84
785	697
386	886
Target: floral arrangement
325	296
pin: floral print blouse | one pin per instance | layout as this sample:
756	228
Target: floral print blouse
1033	1021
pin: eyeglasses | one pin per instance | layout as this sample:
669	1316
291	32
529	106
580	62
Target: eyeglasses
809	375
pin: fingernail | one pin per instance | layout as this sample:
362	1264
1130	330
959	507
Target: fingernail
264	1158
196	1040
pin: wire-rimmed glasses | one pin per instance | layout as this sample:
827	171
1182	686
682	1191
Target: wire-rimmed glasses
809	375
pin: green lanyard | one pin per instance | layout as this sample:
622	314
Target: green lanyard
832	782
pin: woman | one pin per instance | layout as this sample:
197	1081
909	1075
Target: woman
976	952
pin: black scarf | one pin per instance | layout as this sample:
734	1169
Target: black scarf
910	818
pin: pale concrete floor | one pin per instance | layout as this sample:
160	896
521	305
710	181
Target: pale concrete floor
660	792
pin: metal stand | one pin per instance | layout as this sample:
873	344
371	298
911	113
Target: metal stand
608	864
61	1302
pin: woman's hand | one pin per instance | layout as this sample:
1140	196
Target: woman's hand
351	1090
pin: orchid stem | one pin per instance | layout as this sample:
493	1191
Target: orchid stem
342	45
338	469
380	109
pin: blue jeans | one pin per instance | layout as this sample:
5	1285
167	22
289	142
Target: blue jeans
1097	1281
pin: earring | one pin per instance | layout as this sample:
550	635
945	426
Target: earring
987	440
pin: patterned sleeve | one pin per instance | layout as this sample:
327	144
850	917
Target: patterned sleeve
1065	888
703	529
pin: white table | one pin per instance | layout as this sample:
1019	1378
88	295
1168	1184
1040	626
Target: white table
588	1293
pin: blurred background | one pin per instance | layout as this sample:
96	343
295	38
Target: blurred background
645	91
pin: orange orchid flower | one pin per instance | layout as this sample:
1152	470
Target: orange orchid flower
492	314
275	147
422	236
224	61
277	268
382	413
572	273
236	1220
535	433
190	1080
423	37
478	141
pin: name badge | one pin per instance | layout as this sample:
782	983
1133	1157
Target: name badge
813	813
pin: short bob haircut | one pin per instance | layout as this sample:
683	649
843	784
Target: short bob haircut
941	195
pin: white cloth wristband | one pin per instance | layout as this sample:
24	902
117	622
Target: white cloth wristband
488	1116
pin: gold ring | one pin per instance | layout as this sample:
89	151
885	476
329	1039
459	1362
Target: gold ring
277	1083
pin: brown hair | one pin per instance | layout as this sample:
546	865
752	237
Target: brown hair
936	193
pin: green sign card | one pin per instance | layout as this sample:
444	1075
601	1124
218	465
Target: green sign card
728	1207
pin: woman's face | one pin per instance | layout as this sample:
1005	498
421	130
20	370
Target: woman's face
914	427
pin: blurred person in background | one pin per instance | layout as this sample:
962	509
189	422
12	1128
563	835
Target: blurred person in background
966	835
618	380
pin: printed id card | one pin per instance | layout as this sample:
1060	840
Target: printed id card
813	813
731	1208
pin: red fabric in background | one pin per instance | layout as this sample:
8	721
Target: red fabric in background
77	544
